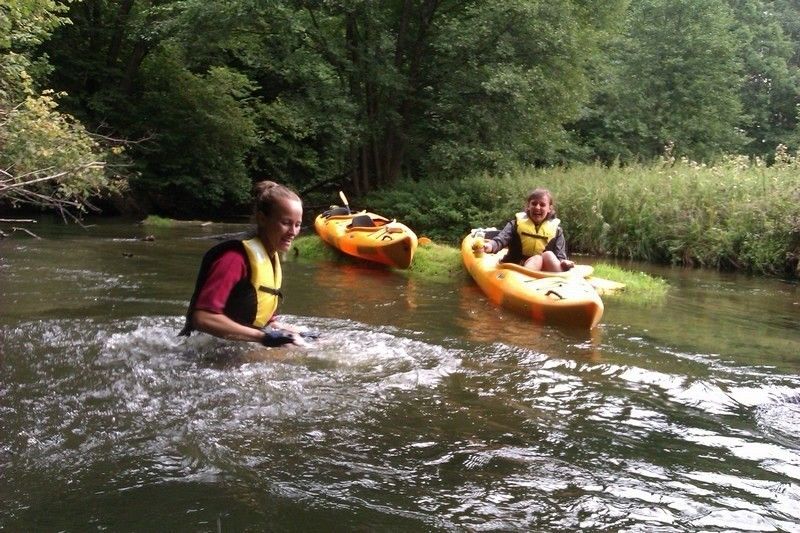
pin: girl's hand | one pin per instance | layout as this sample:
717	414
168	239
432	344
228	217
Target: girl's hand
566	264
488	247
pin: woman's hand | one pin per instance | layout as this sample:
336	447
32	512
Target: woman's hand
276	337
566	264
299	335
488	247
221	326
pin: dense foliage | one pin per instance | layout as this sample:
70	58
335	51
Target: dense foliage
404	95
47	159
359	95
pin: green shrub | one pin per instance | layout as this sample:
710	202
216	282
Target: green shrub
738	214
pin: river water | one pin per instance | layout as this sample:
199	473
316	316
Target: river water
420	408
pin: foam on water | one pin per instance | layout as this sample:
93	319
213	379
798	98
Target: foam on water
482	436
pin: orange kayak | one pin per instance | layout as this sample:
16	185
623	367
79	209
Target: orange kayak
562	300
368	236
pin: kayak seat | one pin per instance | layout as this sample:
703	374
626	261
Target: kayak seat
336	211
362	221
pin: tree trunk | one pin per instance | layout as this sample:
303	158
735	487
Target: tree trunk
408	57
112	55
353	56
140	51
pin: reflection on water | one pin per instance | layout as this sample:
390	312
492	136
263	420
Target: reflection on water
484	322
421	406
364	293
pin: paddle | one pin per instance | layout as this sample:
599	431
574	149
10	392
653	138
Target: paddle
344	200
604	286
601	285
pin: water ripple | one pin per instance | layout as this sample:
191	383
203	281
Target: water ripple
373	420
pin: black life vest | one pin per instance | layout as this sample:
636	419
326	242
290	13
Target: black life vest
254	298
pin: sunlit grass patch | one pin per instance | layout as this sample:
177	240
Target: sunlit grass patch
639	287
442	263
161	222
312	247
436	262
431	261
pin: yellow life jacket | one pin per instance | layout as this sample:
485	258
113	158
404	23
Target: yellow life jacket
266	278
534	239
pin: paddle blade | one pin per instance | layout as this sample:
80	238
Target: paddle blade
344	200
604	286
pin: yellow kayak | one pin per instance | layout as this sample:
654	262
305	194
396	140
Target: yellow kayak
562	299
368	236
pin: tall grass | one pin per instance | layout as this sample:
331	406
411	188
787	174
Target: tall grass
738	214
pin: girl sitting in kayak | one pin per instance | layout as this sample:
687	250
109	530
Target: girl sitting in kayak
534	238
239	285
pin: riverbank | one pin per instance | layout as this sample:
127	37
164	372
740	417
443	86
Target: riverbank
737	215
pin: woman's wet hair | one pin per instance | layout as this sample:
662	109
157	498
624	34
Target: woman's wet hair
266	193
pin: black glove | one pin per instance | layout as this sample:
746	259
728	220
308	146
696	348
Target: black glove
276	337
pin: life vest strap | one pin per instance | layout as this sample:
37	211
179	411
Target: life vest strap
270	290
543	237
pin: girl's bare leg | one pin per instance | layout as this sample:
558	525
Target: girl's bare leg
550	263
534	262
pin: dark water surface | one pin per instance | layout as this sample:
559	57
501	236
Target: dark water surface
421	407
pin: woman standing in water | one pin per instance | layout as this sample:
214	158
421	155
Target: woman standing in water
239	284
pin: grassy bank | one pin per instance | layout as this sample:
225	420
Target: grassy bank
442	263
736	215
434	262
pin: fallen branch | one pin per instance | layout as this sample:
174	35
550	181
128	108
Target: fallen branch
32	234
321	183
20	220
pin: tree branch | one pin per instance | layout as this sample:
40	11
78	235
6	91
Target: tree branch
32	234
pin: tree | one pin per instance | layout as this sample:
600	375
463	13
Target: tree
448	87
196	160
47	159
771	85
674	78
138	68
508	76
345	90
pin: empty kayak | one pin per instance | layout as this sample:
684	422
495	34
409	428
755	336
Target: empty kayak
562	300
367	236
